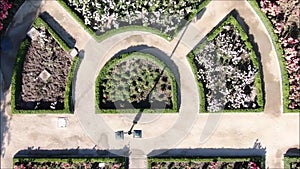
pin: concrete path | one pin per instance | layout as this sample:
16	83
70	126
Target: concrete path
67	22
186	129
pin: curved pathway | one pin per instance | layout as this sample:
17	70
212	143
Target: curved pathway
188	128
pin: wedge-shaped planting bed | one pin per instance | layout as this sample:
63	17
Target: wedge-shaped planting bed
134	82
227	70
42	77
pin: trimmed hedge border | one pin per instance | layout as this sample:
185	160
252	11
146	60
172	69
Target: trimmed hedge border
17	75
289	160
229	19
128	56
113	32
280	56
257	159
73	160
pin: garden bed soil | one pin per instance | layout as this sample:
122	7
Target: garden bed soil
44	75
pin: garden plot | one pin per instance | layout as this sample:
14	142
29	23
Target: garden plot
136	81
166	16
204	163
226	71
43	73
88	163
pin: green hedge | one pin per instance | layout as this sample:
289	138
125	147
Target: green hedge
289	160
128	56
113	32
258	160
16	82
280	55
17	75
258	81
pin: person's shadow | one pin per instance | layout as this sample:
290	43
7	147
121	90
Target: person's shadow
139	114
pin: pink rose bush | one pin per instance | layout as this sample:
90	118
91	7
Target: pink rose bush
205	165
284	15
68	165
4	7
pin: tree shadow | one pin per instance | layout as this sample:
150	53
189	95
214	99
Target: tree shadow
207	152
10	43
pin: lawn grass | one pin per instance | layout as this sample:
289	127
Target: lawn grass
280	55
258	81
17	75
128	56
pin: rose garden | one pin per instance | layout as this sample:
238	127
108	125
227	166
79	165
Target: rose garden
226	67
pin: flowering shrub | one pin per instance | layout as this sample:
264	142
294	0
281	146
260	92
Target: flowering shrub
108	14
4	6
284	15
225	68
205	165
69	165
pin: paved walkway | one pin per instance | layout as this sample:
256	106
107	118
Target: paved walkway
187	129
67	22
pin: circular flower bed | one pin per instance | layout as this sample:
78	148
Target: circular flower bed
109	14
136	80
45	71
225	68
284	15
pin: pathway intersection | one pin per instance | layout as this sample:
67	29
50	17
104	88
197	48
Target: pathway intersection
187	129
